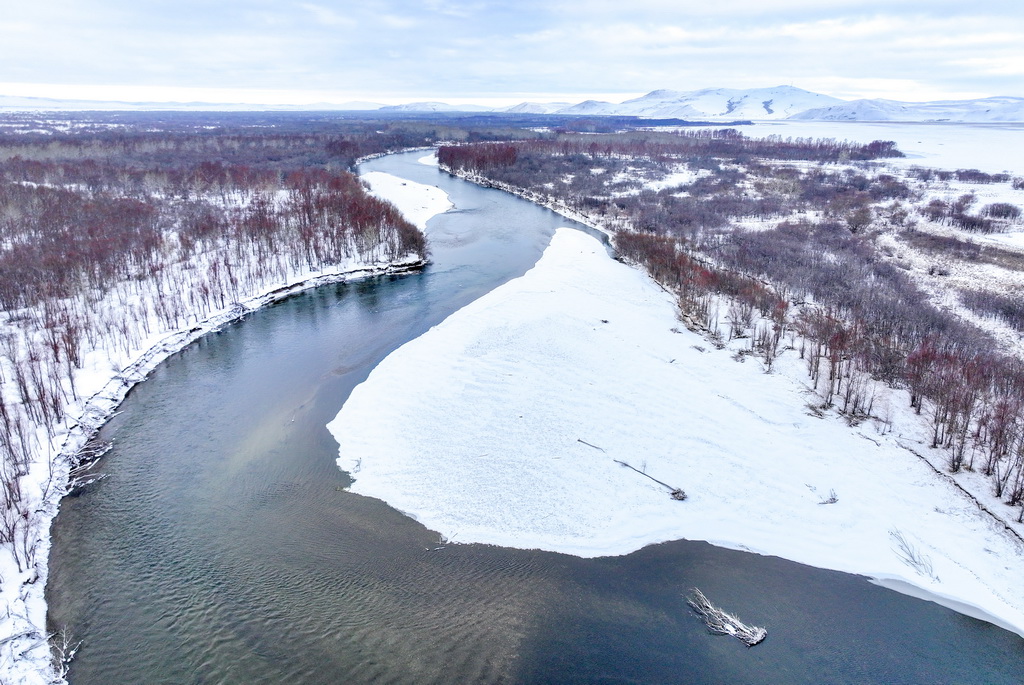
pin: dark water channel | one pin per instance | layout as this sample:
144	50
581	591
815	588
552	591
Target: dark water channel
223	547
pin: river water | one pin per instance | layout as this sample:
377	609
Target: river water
223	546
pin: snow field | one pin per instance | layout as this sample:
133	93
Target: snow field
992	148
478	430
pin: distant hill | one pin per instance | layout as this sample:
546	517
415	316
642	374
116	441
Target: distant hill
435	107
709	104
713	103
997	109
536	107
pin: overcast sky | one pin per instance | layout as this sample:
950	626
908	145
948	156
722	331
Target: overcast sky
498	52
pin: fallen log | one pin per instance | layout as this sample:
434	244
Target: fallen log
674	493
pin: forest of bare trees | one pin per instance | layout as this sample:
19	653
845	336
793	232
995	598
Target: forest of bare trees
811	271
112	238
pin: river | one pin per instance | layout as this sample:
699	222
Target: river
223	546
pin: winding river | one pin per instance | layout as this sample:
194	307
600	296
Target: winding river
223	546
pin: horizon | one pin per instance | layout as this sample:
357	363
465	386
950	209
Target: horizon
190	96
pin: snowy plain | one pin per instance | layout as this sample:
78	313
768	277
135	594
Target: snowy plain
992	148
505	425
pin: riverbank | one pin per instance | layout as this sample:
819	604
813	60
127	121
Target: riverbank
506	425
546	201
24	651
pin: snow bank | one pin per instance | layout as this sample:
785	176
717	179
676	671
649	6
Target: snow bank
480	429
416	201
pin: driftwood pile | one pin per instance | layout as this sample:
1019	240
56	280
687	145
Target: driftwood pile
83	461
722	623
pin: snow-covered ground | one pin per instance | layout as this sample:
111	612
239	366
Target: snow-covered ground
992	148
1014	240
715	104
992	109
504	425
417	202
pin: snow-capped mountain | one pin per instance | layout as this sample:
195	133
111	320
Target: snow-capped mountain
536	107
713	104
590	107
709	104
996	109
780	102
435	107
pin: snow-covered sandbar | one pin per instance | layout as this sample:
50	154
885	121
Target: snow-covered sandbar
504	425
418	202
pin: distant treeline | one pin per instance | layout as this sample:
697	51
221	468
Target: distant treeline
718	143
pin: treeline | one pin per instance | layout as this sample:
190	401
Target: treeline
963	175
717	143
138	180
994	218
1008	308
814	275
607	178
102	157
267	140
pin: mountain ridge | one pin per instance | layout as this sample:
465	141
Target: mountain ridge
706	104
999	109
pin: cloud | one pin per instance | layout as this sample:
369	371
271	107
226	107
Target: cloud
325	16
460	47
462	10
997	66
22	27
395	21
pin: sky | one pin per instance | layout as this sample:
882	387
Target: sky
505	52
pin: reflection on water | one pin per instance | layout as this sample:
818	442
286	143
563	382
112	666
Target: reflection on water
223	547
